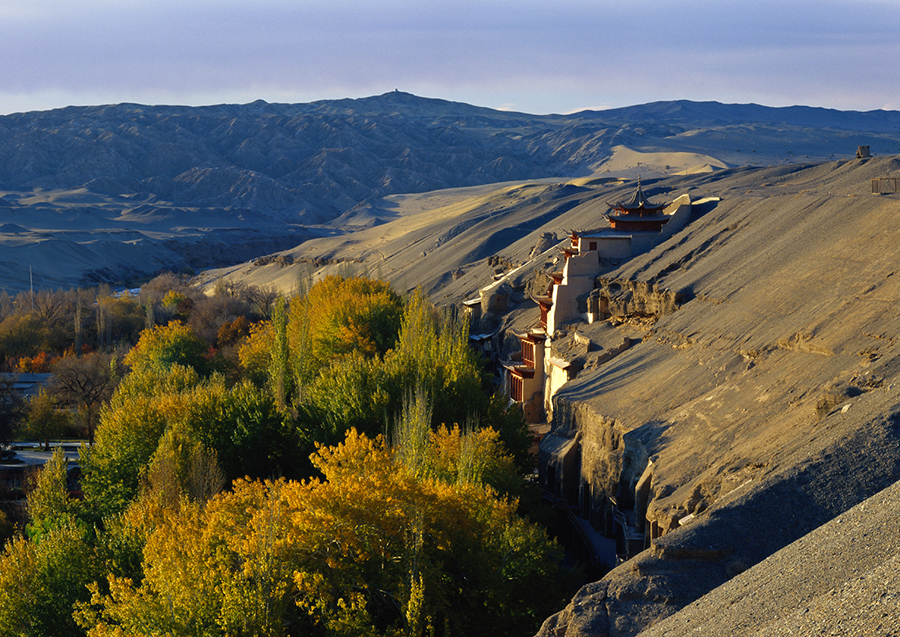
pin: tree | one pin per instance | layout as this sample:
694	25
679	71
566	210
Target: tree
43	419
255	353
167	345
49	504
210	313
120	318
262	299
241	424
352	392
280	380
369	549
340	316
40	582
6	528
130	428
41	578
85	382
25	334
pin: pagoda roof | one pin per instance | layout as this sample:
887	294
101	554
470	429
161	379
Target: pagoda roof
638	202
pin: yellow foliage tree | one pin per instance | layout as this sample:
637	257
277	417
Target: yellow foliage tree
370	548
339	316
167	345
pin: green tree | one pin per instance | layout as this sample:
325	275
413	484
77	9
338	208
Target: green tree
352	392
280	381
242	424
167	345
40	582
49	504
131	425
43	418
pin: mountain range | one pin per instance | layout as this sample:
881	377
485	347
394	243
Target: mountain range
120	192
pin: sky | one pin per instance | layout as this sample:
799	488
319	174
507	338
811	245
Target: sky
533	56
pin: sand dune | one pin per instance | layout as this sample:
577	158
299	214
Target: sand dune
628	161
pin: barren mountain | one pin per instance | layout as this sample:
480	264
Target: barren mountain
112	193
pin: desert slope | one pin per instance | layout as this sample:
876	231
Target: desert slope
765	406
840	577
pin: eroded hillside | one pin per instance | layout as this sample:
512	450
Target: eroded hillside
766	405
761	395
119	192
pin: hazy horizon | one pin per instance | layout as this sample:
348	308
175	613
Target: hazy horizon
527	57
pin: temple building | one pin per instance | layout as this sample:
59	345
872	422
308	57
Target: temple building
524	374
533	375
637	214
564	343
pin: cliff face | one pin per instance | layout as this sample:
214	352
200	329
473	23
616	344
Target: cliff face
763	406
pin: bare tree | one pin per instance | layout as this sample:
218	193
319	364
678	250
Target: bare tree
262	299
85	382
52	307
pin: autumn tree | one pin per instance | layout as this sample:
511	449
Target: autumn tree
210	313
167	345
25	334
119	318
339	316
242	424
369	549
255	352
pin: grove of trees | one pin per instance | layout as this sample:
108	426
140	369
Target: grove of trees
335	463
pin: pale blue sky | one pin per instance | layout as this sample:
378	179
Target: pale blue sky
527	55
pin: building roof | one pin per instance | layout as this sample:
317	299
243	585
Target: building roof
638	202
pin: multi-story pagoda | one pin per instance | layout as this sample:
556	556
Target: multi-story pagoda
637	214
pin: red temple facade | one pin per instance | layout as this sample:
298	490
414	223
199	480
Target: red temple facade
637	214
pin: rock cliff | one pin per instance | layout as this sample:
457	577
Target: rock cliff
765	405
